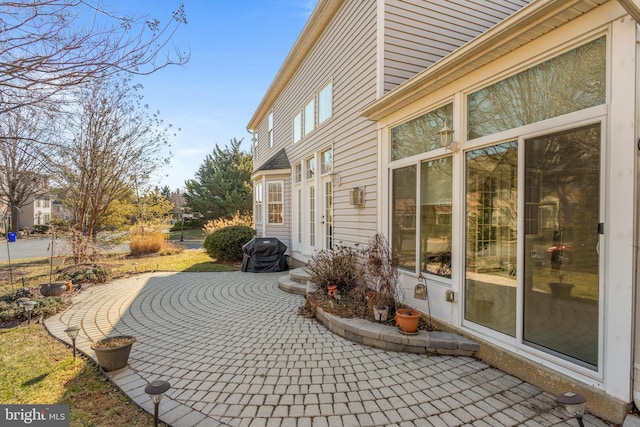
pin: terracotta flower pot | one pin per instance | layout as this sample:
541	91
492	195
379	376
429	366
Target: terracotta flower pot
331	290
407	320
113	352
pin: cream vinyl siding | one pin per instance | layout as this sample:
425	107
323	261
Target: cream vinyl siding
280	231
418	33
345	55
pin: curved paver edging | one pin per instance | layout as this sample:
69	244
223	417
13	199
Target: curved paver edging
386	337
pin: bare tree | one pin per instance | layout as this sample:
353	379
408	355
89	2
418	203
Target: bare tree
114	145
24	157
50	45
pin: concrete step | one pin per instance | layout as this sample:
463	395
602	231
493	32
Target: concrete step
287	284
299	275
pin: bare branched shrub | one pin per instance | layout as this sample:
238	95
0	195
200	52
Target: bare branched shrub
236	219
337	266
379	272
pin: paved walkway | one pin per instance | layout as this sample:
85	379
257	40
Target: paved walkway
236	353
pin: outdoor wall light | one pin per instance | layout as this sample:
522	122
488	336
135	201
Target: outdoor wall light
446	138
72	332
28	305
574	403
156	390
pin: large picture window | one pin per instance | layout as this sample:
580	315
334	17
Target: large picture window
569	82
403	217
420	135
491	236
435	216
562	171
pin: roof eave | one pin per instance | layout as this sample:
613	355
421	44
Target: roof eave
508	35
313	29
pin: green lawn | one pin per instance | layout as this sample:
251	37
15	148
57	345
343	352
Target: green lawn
38	369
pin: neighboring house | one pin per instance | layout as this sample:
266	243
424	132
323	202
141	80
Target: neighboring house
524	223
37	211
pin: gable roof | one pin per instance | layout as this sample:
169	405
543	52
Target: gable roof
277	162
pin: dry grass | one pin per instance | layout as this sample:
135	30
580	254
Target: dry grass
147	243
237	219
31	272
52	377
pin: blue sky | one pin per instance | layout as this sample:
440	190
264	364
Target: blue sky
237	47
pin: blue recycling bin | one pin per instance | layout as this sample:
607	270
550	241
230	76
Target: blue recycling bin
11	236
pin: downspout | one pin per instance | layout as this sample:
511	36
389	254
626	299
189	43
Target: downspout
636	328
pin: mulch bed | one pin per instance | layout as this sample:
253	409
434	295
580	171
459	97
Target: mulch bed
349	307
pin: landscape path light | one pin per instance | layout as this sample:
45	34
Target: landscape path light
28	305
574	404
156	390
72	332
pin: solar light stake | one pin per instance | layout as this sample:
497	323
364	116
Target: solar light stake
28	305
73	332
156	390
574	404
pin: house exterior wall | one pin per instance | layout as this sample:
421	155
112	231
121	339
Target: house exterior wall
345	56
417	33
282	231
36	212
363	44
616	256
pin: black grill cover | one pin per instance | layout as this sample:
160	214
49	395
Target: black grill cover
264	255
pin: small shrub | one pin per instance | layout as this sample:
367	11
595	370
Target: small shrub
337	266
148	243
41	229
87	274
236	219
226	244
9	309
59	224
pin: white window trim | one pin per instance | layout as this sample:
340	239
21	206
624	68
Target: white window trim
281	202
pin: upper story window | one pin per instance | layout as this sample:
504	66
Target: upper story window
314	113
309	116
326	161
270	128
324	104
569	82
420	134
297	127
45	202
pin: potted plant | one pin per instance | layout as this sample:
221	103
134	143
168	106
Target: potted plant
407	320
113	352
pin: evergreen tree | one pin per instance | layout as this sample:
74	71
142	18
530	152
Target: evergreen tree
222	184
